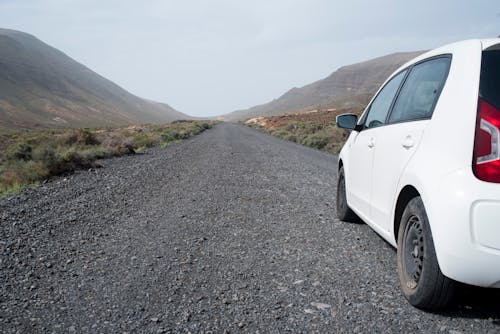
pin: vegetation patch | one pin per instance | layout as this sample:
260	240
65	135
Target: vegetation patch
30	156
312	134
315	129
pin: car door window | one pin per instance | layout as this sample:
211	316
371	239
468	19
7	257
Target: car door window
421	90
381	105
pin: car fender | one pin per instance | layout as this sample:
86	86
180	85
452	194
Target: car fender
432	199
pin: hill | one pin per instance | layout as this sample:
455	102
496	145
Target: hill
41	87
349	87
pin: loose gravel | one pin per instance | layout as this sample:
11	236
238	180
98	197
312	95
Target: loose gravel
230	231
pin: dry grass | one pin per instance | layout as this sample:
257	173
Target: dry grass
314	129
28	157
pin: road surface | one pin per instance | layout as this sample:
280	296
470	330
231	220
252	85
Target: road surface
230	231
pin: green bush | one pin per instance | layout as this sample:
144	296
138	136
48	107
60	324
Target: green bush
19	151
302	127
281	133
22	173
294	126
145	140
312	127
50	158
117	145
183	130
80	137
315	140
169	135
206	125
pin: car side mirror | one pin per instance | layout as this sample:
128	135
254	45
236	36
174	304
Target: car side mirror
347	121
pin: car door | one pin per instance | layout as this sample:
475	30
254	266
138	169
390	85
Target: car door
361	147
405	126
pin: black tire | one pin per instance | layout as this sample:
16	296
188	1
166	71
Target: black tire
422	282
343	211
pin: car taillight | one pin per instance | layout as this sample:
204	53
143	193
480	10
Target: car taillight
486	164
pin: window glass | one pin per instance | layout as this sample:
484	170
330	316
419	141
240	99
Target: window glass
382	103
489	87
420	91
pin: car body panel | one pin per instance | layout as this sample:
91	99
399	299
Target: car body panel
396	144
360	171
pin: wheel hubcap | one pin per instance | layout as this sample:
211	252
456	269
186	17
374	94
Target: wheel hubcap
414	251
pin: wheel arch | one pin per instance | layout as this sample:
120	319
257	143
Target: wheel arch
405	195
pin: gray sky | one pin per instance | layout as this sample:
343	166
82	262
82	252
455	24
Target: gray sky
209	57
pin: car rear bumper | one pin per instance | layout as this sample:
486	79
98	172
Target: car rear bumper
465	220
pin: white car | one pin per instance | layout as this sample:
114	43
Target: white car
421	167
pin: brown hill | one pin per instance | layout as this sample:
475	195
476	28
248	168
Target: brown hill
42	87
349	87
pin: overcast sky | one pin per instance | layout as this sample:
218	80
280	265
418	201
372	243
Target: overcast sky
209	57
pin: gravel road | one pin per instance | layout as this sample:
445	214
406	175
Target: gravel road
230	231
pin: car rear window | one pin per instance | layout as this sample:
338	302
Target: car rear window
489	86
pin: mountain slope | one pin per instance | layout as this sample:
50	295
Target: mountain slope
42	87
348	87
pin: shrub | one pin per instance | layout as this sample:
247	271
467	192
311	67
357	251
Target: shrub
145	140
117	145
312	127
169	135
294	126
79	137
205	125
22	173
186	134
48	156
19	151
315	140
281	133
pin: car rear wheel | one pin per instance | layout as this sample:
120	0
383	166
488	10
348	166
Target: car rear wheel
422	281
343	211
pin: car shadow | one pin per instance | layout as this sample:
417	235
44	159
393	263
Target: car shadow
475	302
470	302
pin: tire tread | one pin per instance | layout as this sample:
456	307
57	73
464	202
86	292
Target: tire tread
435	290
347	214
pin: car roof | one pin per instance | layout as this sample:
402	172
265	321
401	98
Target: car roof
479	44
492	43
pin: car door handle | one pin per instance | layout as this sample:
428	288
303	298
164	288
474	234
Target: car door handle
408	142
371	143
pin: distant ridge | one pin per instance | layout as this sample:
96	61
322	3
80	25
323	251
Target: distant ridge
41	87
349	87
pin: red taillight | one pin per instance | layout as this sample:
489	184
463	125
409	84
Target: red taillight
486	162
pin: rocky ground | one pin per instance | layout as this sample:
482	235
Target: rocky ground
230	231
